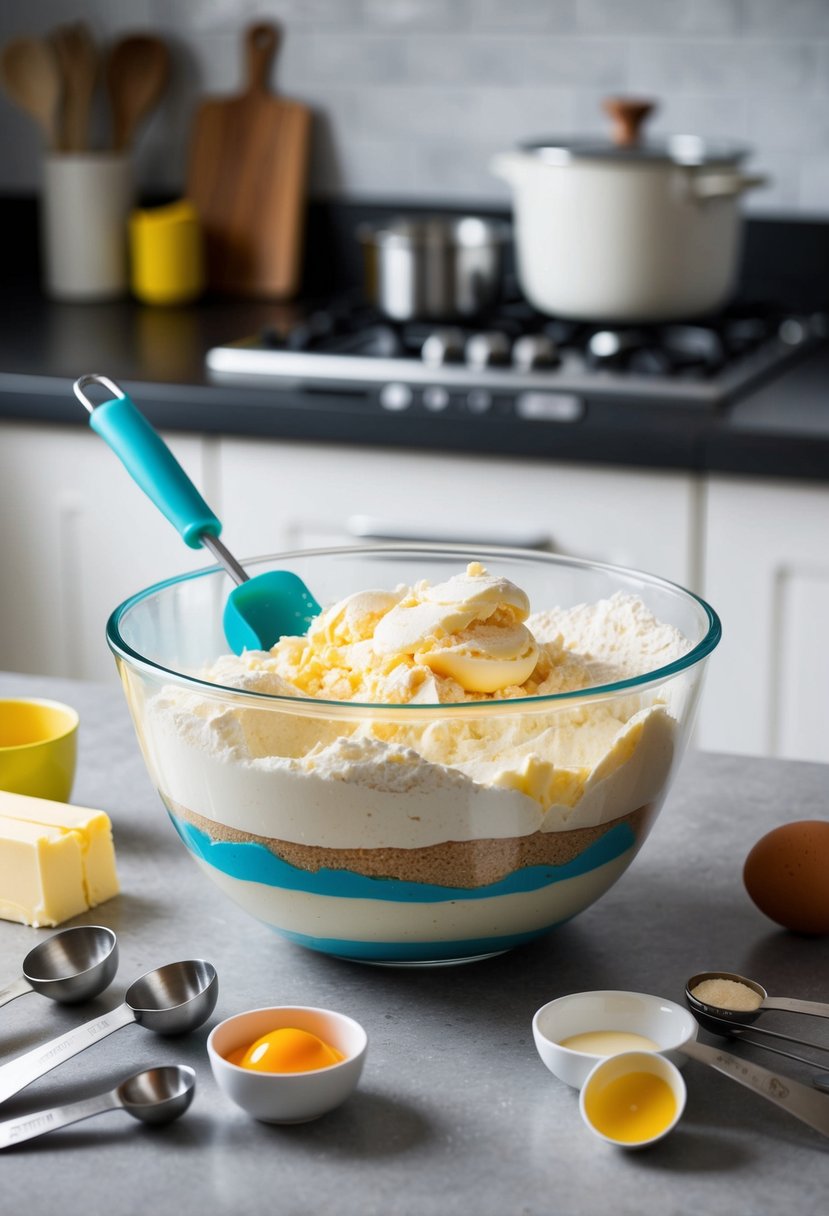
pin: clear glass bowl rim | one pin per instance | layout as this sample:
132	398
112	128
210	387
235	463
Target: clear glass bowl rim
699	652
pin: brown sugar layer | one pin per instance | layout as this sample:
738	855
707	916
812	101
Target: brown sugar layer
453	863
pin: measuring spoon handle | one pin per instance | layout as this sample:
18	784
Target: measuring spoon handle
817	1008
779	1051
15	1131
19	1073
12	991
799	1100
739	1032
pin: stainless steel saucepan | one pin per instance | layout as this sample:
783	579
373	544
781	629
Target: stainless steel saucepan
433	268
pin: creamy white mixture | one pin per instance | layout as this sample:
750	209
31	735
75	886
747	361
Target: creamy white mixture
474	771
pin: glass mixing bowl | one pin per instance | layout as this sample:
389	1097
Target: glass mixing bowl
392	853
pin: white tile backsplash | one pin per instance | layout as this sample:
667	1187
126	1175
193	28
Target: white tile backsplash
788	17
814	185
404	15
413	96
659	16
513	16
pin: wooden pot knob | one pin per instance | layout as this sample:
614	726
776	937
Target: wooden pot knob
627	115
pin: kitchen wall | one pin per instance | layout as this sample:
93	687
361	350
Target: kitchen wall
413	96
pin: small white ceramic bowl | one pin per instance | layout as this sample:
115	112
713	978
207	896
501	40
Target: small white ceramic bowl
610	1070
661	1021
282	1097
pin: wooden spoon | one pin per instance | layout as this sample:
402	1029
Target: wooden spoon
78	60
30	75
137	71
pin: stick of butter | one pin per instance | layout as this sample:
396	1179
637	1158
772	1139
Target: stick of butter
56	860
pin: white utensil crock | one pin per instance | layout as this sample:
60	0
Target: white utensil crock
87	198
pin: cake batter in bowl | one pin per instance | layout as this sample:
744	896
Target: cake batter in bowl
465	750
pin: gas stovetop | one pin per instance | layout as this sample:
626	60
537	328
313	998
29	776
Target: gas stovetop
516	362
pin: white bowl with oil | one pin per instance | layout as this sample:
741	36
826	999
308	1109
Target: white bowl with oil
621	1019
633	1099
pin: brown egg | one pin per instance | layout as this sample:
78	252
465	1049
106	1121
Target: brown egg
787	875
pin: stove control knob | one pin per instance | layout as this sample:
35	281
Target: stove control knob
396	397
479	401
442	346
532	351
792	332
605	344
610	347
435	398
488	349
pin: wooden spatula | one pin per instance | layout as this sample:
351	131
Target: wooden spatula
30	75
78	59
247	179
137	71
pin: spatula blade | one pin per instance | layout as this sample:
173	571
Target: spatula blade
267	607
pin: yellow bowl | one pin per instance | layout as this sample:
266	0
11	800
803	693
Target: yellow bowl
38	748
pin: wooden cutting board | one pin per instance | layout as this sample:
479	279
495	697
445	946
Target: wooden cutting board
247	179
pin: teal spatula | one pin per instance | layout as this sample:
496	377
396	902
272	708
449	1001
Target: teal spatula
260	610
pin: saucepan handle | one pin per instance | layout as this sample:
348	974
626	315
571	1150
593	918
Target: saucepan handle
725	183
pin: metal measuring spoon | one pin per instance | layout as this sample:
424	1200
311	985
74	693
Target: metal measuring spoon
802	1101
156	1095
169	1000
73	965
746	1016
736	1030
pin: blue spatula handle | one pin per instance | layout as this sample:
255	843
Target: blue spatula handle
153	466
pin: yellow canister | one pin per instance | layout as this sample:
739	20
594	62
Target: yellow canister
167	254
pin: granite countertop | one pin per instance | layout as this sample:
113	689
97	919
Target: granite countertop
455	1112
779	429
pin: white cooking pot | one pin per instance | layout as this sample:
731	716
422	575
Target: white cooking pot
626	230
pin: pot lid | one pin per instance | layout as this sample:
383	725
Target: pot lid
626	144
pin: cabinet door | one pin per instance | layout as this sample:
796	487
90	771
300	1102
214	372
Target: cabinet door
767	575
292	495
77	537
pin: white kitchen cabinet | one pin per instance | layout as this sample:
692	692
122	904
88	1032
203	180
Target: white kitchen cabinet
766	571
77	537
294	495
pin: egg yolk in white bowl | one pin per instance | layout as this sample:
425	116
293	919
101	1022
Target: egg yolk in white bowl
286	1050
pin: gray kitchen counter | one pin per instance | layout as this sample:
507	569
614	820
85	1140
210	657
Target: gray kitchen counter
455	1112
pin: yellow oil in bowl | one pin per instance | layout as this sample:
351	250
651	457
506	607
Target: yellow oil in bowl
633	1099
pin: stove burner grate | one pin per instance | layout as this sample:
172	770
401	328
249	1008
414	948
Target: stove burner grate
515	333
